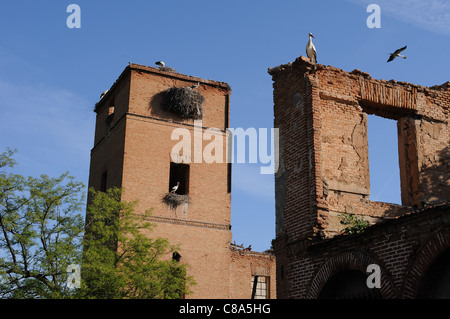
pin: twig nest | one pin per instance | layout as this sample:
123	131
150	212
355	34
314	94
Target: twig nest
175	200
185	102
167	69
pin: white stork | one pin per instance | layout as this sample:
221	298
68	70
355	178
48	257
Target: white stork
397	54
311	50
174	189
160	63
103	94
196	85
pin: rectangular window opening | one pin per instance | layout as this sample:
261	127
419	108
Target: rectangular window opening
227	111
103	181
260	287
179	175
110	116
229	178
383	160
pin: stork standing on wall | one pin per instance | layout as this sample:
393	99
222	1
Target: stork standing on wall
174	189
103	94
311	50
397	54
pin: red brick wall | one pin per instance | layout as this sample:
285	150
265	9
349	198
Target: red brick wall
324	170
296	173
403	248
135	148
245	263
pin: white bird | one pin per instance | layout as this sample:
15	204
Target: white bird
311	50
196	85
160	63
174	189
397	54
103	94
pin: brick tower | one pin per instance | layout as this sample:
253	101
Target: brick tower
132	149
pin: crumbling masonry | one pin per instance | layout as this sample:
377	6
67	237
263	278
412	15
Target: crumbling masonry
321	113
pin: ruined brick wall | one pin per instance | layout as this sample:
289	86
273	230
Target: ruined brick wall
133	144
245	263
295	211
321	112
324	167
404	248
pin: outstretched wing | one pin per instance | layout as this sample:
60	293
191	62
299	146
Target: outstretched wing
399	50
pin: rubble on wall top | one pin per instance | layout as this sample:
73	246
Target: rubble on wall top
444	86
281	67
248	250
356	72
359	72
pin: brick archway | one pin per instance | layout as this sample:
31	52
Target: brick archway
433	246
349	261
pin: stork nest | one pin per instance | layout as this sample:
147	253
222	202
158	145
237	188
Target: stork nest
184	101
167	69
175	200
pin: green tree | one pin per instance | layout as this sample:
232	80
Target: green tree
40	232
121	260
43	234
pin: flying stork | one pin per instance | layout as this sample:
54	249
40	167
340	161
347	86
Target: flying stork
397	54
311	50
174	189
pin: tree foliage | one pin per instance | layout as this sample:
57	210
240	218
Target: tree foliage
121	260
40	232
43	233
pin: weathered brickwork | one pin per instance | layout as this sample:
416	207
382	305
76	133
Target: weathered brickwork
255	263
132	149
321	112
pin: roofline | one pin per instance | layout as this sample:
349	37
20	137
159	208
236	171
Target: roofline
180	76
310	66
148	69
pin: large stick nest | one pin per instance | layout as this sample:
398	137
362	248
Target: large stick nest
185	102
167	69
175	200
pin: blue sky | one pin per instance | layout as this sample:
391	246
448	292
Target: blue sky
51	76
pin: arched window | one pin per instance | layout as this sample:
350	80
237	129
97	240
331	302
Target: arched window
348	284
435	283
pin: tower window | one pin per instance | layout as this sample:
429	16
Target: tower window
176	257
110	116
179	173
229	178
260	287
111	110
103	181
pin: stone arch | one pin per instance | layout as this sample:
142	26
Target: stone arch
349	261
432	247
